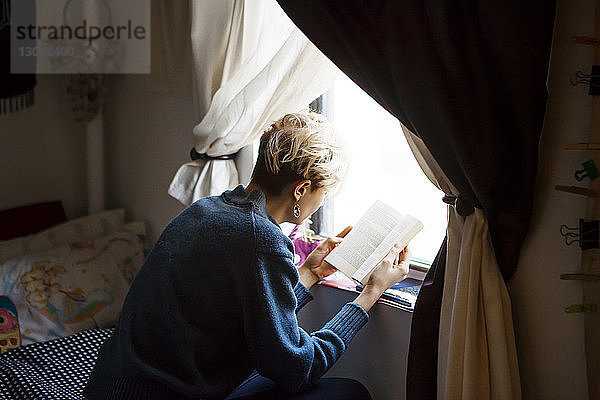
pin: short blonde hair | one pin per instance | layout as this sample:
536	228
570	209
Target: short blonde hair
296	147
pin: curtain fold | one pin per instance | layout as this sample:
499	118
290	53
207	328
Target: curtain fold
477	354
477	351
469	79
269	68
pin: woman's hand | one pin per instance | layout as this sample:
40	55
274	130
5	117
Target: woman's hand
315	267
393	268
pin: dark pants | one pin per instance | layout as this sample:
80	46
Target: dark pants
260	388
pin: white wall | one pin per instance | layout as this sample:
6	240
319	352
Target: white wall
148	136
43	149
550	342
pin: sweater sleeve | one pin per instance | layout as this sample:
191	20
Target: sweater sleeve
281	350
303	295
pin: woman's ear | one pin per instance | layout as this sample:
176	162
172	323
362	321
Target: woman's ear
301	189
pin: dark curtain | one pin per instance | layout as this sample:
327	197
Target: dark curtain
421	371
467	77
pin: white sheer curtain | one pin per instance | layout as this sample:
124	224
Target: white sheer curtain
255	66
477	356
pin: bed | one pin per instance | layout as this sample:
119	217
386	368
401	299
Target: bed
61	291
62	285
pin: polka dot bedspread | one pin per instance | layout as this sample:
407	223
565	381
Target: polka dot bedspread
56	369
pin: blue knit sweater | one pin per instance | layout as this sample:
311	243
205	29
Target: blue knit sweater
217	298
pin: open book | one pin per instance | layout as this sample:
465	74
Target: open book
371	239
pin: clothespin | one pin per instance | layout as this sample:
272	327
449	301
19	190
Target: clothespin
592	80
587	234
590	41
580	308
589	171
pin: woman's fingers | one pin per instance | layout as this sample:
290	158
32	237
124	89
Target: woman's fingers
344	232
393	254
400	256
333	241
404	255
328	244
389	272
329	266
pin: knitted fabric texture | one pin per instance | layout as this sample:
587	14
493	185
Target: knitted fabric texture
217	298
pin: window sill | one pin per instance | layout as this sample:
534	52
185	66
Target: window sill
418	270
402	295
393	303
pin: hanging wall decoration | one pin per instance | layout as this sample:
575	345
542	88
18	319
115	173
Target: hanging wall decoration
587	233
87	95
16	90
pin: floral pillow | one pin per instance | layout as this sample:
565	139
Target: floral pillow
84	228
71	288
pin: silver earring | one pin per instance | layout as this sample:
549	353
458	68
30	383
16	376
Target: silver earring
296	210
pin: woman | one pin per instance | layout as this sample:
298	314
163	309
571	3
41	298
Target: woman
218	294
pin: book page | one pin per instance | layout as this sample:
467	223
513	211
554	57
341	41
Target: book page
402	233
368	234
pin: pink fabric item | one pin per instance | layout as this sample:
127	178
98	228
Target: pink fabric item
302	247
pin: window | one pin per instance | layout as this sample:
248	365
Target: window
381	166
